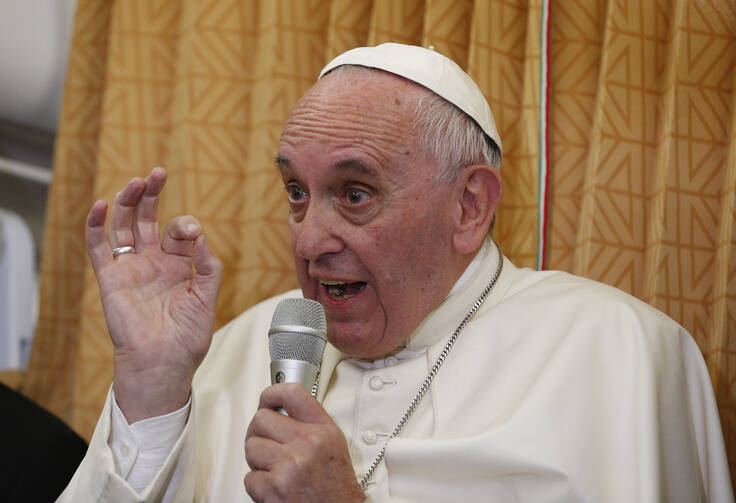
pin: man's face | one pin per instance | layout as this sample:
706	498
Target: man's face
370	226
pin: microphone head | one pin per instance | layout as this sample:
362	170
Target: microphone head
298	331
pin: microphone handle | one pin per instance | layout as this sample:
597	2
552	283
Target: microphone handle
300	371
297	371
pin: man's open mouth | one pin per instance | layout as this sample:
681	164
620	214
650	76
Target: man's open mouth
339	290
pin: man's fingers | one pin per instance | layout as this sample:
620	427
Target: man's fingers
206	264
179	235
145	223
183	236
294	456
268	423
207	271
258	485
263	453
120	228
98	248
296	401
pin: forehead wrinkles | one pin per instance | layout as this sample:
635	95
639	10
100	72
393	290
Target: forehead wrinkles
379	121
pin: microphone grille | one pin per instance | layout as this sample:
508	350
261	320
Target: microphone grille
292	344
300	312
296	346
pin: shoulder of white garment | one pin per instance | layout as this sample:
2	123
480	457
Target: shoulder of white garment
584	317
583	296
563	360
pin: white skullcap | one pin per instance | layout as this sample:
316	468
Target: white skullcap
429	68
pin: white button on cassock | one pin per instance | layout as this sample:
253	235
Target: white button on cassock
370	437
376	383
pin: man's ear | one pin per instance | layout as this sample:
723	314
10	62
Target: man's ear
481	193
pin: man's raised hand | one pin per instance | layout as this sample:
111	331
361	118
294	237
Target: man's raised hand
159	302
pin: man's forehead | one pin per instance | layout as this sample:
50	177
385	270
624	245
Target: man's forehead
357	81
365	101
427	68
364	115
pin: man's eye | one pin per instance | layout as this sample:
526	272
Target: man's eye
295	194
356	196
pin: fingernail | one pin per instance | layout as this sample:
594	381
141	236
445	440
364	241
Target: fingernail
192	227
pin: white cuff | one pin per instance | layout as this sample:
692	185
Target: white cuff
141	449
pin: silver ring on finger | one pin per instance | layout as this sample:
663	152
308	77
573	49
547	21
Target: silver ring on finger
122	249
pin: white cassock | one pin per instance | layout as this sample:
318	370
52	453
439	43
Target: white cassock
560	389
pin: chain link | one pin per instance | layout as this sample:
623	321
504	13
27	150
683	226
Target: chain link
433	371
315	386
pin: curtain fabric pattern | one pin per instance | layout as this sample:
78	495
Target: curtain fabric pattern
642	161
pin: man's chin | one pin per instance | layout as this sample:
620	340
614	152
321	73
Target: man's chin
362	348
355	340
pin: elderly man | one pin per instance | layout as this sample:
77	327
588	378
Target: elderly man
450	374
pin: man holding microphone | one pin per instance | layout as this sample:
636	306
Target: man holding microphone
449	373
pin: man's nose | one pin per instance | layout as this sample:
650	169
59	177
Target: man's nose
317	233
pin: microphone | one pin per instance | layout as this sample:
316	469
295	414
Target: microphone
296	342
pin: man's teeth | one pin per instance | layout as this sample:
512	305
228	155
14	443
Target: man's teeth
340	290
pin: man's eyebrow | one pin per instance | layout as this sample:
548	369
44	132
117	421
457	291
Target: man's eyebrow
354	165
357	166
281	162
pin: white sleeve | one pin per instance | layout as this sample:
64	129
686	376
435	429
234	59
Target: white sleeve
141	449
98	476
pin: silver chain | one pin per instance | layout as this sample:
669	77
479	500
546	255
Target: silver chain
315	386
433	371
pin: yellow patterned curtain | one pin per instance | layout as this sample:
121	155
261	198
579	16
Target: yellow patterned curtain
642	159
643	163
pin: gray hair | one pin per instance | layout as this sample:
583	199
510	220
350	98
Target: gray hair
444	132
453	139
449	136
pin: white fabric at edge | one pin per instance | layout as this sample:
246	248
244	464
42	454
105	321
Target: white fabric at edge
18	291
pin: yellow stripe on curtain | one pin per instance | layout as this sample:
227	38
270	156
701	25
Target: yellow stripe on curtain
643	158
